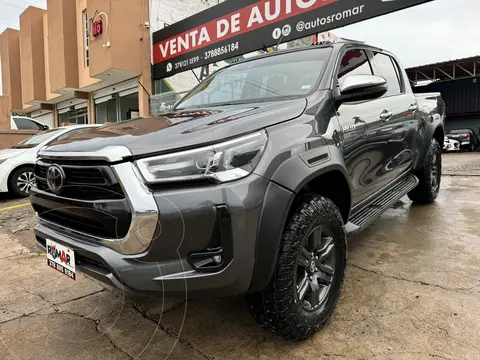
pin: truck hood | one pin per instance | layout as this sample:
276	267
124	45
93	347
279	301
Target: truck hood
183	129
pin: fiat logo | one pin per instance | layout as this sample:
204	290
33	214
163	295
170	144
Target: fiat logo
55	178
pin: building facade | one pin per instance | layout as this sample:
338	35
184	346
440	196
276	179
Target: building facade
89	61
78	62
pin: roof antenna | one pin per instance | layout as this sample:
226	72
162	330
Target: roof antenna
279	41
275	48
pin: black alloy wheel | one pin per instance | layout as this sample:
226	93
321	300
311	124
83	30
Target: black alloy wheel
429	176
435	173
309	273
315	269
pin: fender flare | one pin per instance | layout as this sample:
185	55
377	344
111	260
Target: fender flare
288	180
425	145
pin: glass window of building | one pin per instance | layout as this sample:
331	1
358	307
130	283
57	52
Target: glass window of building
73	117
86	40
114	108
160	87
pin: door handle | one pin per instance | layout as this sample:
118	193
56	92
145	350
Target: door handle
413	108
385	115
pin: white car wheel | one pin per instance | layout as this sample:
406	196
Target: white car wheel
22	181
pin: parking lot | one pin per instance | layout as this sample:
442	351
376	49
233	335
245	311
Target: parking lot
412	291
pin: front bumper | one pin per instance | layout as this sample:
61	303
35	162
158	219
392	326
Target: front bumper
194	225
5	171
451	146
125	225
465	144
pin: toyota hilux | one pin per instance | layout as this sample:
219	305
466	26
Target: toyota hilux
249	185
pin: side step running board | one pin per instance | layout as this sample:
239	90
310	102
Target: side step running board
361	219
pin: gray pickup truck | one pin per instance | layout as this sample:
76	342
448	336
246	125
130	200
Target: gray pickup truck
250	185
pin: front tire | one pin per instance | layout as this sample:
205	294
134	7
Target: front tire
21	181
430	176
309	273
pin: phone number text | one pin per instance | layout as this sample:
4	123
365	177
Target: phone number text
187	63
221	50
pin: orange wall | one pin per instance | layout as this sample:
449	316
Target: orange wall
62	41
4	113
83	72
145	66
124	28
129	51
32	55
12	137
11	72
101	57
48	88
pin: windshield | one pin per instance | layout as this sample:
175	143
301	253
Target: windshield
460	131
37	139
276	77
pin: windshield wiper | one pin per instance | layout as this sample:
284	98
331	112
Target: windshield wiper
203	106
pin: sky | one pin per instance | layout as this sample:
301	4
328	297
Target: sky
437	31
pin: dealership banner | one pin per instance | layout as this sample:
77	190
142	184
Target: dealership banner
237	27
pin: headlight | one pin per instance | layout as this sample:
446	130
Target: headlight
227	161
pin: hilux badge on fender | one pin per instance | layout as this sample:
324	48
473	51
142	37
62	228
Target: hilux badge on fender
55	178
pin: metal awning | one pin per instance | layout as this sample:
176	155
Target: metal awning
445	71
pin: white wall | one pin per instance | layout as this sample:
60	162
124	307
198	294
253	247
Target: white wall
168	12
171	11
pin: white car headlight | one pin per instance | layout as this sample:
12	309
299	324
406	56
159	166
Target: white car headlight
227	161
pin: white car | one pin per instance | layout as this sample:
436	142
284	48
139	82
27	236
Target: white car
26	123
17	163
450	144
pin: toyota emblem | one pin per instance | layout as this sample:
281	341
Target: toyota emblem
55	178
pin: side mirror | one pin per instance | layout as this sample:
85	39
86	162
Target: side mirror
362	87
45	127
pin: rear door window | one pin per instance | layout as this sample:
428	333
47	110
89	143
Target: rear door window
388	69
26	124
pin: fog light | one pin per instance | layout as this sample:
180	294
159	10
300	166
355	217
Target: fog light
217	259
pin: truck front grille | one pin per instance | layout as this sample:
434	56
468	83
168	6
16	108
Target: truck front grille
90	201
83	182
73	221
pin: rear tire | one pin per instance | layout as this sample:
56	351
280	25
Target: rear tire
304	289
21	181
430	176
